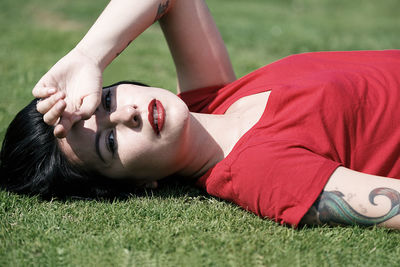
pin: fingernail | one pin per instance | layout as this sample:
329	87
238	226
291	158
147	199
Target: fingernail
51	91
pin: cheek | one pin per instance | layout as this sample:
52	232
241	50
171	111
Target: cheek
136	152
76	146
147	158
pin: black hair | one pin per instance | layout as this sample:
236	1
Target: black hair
32	163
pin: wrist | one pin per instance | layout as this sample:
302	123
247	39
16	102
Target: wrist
120	23
95	57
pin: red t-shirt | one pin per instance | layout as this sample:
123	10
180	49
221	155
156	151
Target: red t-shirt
325	109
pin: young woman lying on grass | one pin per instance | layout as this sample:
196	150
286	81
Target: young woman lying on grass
312	138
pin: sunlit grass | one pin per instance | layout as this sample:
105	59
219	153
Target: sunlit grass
179	225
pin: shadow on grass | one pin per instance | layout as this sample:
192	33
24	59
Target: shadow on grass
352	227
168	188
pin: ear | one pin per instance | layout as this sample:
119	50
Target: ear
151	185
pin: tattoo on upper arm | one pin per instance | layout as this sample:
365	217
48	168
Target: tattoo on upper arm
161	10
332	208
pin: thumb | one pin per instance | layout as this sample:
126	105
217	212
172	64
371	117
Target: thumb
64	126
89	105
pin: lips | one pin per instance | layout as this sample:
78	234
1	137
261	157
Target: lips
156	115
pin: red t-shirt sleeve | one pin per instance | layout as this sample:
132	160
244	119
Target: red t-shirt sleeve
278	180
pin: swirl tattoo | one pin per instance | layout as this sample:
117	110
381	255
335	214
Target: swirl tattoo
333	208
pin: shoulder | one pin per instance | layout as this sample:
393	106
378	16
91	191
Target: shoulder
278	179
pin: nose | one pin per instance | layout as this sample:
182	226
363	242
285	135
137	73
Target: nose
126	115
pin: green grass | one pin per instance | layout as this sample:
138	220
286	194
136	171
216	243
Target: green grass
179	225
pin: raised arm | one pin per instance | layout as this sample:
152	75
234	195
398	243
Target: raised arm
119	24
197	48
199	53
78	76
352	197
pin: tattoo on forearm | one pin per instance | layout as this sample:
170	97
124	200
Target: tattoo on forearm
332	208
161	10
117	54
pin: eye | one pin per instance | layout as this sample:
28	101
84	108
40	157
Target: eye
110	141
107	100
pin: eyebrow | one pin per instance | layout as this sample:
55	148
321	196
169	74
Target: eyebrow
97	146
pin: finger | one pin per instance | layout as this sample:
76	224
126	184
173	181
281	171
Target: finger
59	131
89	105
46	104
51	117
43	92
64	126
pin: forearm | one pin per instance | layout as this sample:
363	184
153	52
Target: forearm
120	23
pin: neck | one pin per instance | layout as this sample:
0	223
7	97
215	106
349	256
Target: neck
208	142
210	138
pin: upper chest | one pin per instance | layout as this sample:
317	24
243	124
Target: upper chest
249	109
242	115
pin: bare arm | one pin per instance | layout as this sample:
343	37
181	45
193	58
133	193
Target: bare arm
352	197
199	53
118	25
196	45
78	75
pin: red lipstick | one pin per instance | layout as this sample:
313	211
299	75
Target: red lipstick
156	115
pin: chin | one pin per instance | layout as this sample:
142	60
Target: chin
174	138
177	118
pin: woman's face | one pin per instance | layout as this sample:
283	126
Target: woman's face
136	133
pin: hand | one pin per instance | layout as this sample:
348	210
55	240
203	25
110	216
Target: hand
70	91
